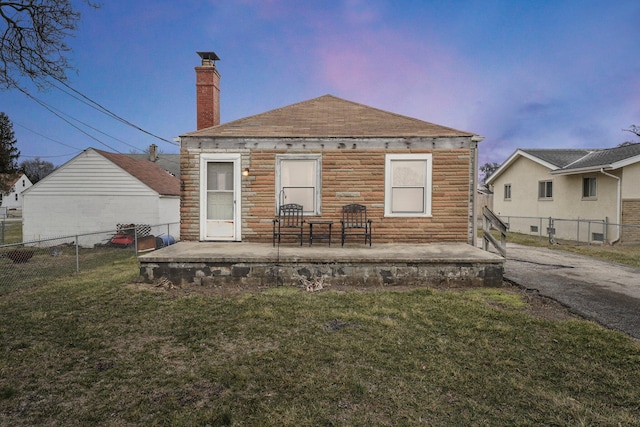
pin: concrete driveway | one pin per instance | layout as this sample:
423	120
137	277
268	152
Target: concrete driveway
604	292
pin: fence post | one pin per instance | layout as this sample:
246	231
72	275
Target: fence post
606	230
578	231
550	230
589	234
3	221
77	254
540	230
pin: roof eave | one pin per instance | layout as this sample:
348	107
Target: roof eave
579	171
518	153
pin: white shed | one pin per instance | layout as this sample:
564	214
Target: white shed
94	192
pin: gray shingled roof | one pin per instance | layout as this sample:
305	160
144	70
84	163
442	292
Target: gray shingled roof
558	157
328	116
605	158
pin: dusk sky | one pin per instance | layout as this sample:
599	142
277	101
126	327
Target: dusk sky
522	74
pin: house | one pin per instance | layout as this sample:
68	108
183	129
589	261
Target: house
97	190
417	179
11	200
599	184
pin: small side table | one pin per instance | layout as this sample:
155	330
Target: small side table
317	235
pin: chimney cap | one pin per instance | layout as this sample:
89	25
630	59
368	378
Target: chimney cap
209	55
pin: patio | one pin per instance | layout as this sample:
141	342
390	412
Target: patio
261	264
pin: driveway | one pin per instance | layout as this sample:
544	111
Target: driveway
604	292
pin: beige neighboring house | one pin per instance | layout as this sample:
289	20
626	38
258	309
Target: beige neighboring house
595	184
12	199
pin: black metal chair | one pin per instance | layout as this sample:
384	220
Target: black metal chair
289	222
355	222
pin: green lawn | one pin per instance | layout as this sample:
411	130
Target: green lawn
95	349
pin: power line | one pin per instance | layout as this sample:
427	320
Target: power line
97	106
52	110
46	137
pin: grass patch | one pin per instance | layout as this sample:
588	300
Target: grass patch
11	232
47	264
93	350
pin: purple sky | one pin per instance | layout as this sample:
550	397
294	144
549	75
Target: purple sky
523	74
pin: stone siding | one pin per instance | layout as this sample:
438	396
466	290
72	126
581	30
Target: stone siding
348	176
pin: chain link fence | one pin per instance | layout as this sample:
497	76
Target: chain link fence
577	231
24	264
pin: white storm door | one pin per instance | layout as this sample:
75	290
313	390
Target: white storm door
220	197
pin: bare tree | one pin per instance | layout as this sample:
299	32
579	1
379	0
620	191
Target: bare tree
36	169
486	170
32	40
634	129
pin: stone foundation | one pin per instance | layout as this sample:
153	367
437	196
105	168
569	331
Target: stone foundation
363	274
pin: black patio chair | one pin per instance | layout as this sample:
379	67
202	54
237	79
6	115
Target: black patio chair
355	222
289	222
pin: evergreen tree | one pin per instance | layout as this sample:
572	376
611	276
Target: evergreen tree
8	152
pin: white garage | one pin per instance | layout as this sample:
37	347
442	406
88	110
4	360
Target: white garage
94	192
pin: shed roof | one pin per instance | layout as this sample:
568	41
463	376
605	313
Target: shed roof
168	162
147	172
328	116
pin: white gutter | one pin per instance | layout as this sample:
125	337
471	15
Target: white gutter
618	204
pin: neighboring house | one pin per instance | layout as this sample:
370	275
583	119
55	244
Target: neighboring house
417	179
96	191
12	199
168	162
599	184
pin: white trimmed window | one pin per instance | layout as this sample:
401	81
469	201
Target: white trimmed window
298	180
545	189
407	185
507	191
588	188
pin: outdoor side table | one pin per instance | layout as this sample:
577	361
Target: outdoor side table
320	234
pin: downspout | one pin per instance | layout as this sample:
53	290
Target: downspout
474	187
618	203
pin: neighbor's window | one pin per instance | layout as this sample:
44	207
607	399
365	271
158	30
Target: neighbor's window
298	180
407	185
588	187
507	191
545	189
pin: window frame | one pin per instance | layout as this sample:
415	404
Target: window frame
427	185
507	192
282	159
547	193
588	187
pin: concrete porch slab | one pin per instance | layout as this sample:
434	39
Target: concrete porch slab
218	263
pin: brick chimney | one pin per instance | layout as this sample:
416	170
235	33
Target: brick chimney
207	91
